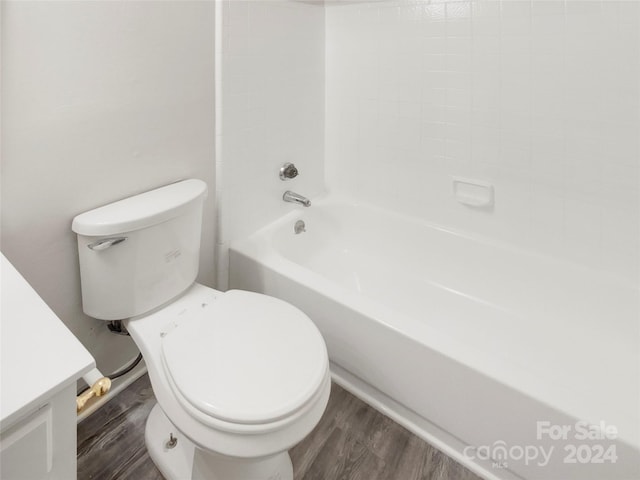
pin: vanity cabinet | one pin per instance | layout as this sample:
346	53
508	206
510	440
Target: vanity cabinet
41	360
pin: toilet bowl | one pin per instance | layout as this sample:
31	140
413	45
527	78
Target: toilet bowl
236	390
239	377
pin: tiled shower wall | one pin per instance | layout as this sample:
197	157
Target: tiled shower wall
540	98
271	111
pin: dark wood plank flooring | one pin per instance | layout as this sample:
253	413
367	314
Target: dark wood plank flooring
352	442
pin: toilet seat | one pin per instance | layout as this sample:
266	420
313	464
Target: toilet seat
248	363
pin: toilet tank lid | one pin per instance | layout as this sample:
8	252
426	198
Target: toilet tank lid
140	211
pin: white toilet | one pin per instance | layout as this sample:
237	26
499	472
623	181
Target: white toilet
239	377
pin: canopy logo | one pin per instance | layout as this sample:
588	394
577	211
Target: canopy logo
500	454
584	450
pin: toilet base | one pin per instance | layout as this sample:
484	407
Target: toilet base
173	463
185	461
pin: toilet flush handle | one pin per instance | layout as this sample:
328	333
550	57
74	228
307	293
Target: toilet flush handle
106	243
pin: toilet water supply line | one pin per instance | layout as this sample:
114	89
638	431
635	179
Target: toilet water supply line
100	384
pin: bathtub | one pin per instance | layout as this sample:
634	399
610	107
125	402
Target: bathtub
517	365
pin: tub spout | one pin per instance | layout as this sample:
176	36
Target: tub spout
293	197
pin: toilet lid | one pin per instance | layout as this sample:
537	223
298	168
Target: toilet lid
251	359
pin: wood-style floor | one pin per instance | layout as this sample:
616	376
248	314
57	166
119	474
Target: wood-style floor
352	442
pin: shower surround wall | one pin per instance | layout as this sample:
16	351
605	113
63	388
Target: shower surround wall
270	110
540	98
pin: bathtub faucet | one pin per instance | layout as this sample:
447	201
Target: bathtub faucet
293	197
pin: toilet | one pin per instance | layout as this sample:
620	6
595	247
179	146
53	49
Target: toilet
239	377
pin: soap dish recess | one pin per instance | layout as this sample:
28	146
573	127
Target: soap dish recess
473	192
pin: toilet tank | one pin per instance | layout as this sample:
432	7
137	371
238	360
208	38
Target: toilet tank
140	252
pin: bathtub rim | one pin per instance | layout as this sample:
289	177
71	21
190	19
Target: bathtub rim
329	198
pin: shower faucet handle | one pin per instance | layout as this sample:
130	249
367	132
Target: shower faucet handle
288	171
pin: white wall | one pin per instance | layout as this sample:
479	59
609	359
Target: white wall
271	111
100	100
541	98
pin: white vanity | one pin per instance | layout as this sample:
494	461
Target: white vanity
40	362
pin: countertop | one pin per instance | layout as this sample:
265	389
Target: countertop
39	356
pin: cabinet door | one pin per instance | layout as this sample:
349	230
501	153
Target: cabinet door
42	444
26	449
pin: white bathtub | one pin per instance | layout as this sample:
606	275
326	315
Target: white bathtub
466	342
